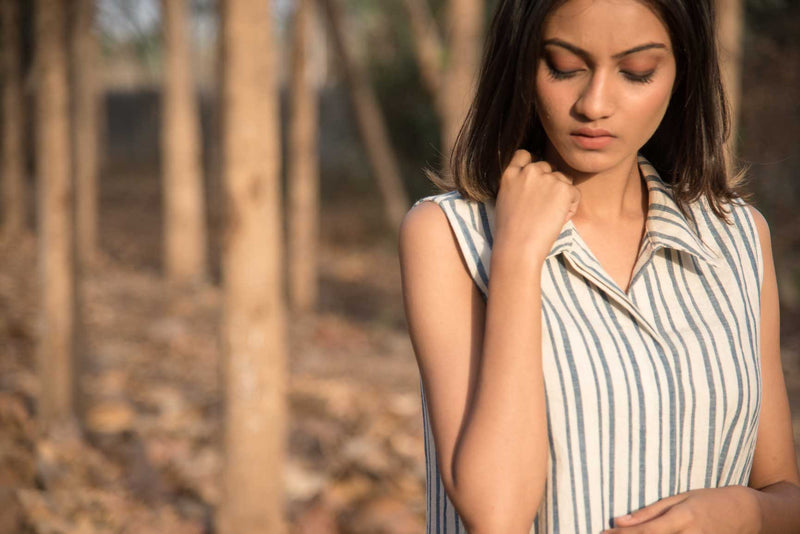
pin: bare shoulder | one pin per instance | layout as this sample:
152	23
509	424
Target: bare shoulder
434	275
426	240
761	225
425	219
765	242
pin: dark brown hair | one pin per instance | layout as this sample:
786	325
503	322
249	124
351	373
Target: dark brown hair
687	149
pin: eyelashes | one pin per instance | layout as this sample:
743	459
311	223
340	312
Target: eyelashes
635	78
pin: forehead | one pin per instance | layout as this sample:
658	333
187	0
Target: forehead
604	27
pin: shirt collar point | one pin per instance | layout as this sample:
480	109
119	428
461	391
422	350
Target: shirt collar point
563	241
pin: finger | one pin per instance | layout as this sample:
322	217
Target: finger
564	178
671	521
520	158
543	166
648	512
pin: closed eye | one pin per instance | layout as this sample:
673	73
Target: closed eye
640	78
556	74
560	75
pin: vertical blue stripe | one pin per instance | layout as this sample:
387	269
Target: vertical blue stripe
551	485
731	344
675	289
580	429
464	231
637	379
487	232
444	511
612	447
753	246
712	448
643	498
428	474
568	426
674	443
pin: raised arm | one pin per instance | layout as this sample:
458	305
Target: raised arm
481	365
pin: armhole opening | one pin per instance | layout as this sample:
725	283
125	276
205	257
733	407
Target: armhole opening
757	246
475	253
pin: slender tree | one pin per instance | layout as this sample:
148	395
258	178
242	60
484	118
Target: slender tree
449	71
185	242
730	20
428	49
86	106
55	216
15	193
370	121
253	324
303	167
464	29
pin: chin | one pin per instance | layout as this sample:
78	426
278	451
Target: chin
588	161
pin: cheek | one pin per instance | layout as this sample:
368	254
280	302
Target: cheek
655	101
654	105
550	101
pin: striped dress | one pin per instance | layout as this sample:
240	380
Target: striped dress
650	392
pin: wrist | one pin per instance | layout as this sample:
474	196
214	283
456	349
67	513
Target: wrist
530	259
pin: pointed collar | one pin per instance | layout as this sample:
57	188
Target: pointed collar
666	226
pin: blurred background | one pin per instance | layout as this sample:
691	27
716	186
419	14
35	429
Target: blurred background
199	285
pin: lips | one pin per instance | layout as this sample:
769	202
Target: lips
591	142
592	132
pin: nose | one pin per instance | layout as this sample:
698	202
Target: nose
595	102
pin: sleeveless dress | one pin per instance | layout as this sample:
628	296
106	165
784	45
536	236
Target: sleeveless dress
650	392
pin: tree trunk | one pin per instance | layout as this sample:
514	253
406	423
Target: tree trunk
15	195
370	123
452	82
730	19
184	204
464	43
85	59
253	325
55	215
428	49
303	167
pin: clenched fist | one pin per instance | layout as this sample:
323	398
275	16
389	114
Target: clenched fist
533	203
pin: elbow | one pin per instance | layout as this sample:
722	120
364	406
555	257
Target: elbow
487	508
493	491
500	522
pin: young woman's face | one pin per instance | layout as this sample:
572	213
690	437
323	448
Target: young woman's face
606	64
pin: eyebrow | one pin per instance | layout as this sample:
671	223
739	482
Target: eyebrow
584	54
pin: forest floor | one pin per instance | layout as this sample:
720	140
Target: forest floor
149	460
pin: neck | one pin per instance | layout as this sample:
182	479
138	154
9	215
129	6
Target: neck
614	195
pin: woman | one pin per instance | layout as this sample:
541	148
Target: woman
623	357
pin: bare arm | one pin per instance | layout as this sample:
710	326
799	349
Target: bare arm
487	414
481	365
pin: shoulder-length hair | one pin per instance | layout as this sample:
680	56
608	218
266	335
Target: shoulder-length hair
687	149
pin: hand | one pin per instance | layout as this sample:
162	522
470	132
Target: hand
730	509
533	203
